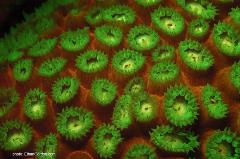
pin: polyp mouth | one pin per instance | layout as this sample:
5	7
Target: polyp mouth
136	88
92	60
146	107
120	17
225	149
74	124
127	64
143	39
194	55
180	106
169	23
16	136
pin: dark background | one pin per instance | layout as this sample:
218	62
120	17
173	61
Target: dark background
11	12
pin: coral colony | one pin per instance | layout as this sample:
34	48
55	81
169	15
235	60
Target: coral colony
122	79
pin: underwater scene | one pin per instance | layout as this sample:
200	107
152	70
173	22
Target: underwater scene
122	79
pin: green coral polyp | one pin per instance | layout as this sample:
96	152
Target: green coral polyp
64	89
127	62
106	140
74	123
212	101
75	40
138	151
22	70
199	8
147	3
235	15
94	16
22	40
195	55
235	75
109	35
8	99
35	105
135	87
223	144
163	53
42	47
47	144
226	39
170	139
168	20
145	108
198	28
119	14
51	67
180	106
142	38
15	135
15	55
45	9
122	116
92	61
44	24
103	91
164	72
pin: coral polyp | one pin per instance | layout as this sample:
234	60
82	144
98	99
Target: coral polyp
200	8
164	72
120	79
195	56
119	14
226	39
75	40
42	47
106	140
103	91
94	16
163	53
109	35
122	114
141	151
145	108
234	75
64	89
135	87
51	67
14	56
223	144
235	15
170	139
128	62
47	144
15	135
142	38
22	70
44	24
168	20
92	61
35	105
198	28
147	3
214	103
180	106
74	123
9	98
